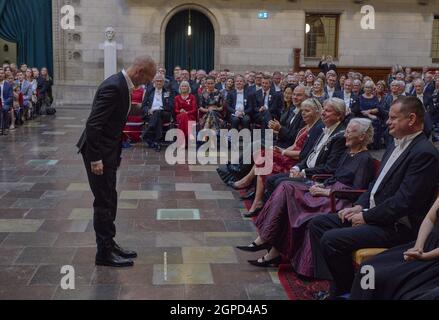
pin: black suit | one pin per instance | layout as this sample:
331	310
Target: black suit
326	162
102	140
154	131
291	123
274	107
354	105
407	191
220	86
231	108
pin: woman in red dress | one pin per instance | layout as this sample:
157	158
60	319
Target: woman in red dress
283	159
185	109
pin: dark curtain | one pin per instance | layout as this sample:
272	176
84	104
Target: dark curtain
29	24
195	52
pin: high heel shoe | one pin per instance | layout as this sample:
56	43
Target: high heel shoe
251	214
266	263
232	185
253	247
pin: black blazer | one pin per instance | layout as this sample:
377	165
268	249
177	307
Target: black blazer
166	98
313	134
274	102
219	86
324	67
329	157
231	103
409	187
289	130
102	137
336	92
355	101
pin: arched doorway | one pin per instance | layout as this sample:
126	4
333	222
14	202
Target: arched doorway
190	51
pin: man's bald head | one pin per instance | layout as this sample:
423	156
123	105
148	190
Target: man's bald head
142	70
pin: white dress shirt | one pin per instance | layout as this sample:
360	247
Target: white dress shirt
267	98
400	146
239	101
157	103
330	91
312	158
130	88
347	100
1	91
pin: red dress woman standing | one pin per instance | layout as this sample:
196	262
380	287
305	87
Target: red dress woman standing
185	108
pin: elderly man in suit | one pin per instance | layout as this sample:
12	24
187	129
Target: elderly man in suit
391	211
6	96
157	107
351	100
238	105
101	148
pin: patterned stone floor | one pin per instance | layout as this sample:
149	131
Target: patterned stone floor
182	219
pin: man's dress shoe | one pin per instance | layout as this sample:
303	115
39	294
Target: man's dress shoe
111	259
124	253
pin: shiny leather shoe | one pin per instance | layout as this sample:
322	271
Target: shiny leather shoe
252	214
266	263
253	247
124	253
111	259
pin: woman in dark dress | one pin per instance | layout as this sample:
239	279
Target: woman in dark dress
283	220
369	108
406	272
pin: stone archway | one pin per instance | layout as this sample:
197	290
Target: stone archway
200	9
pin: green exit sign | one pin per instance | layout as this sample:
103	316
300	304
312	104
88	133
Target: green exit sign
263	15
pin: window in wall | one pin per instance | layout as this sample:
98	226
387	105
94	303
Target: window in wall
321	35
435	40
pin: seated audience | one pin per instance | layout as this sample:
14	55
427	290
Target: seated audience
282	222
326	151
391	211
157	107
284	159
185	109
267	104
239	106
211	109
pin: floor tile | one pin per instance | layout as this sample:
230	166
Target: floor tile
51	275
78	187
178	214
81	214
182	274
209	255
214	195
46	255
272	291
20	225
34	239
152	292
95	292
41	162
178	239
139	194
193	187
